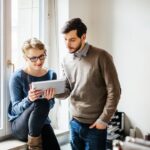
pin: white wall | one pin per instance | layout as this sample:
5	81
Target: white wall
131	49
123	28
97	15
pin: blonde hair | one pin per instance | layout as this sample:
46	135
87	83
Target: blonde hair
33	43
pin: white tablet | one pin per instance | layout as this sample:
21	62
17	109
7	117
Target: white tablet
59	85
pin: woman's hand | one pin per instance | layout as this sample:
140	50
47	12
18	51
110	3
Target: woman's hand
34	94
49	93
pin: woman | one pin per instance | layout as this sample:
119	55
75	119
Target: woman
29	108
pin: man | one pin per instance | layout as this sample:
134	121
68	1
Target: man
92	86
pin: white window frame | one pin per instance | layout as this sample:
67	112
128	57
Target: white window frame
5	71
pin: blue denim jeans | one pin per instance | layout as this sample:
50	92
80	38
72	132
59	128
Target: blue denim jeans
84	138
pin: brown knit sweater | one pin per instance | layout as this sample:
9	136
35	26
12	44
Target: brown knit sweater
92	85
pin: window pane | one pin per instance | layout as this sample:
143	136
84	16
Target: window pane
0	84
25	24
0	71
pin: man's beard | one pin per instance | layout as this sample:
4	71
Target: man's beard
78	48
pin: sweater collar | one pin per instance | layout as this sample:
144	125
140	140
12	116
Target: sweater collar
82	52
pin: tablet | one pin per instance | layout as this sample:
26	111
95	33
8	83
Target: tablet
59	85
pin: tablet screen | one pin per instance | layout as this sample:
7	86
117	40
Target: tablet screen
59	85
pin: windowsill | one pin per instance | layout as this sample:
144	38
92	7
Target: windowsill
14	144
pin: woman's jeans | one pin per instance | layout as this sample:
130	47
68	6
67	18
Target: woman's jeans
32	122
84	138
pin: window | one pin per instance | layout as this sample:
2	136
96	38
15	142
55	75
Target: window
4	72
0	71
25	16
20	20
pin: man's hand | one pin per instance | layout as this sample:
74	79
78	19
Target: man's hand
98	125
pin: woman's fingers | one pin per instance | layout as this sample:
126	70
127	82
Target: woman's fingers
34	94
49	93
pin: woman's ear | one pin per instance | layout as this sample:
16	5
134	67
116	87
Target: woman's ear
45	52
25	58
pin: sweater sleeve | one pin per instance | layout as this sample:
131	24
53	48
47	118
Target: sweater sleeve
67	86
18	102
53	76
112	86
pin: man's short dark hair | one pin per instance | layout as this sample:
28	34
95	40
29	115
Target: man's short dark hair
75	24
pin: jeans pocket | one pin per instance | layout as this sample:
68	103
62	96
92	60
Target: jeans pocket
98	132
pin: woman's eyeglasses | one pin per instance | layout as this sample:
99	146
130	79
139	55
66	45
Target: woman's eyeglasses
34	58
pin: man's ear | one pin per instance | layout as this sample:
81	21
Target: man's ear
84	36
